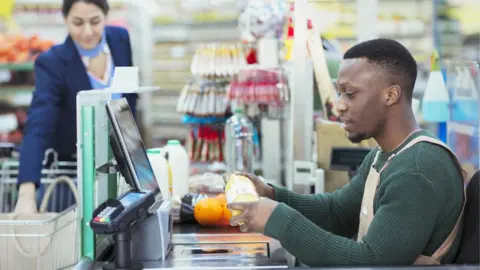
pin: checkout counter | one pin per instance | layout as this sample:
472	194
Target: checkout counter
141	223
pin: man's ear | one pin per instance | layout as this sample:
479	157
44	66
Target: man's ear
392	95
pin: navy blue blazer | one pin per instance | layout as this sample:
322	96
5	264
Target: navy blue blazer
59	75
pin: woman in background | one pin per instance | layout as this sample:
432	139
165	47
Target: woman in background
86	60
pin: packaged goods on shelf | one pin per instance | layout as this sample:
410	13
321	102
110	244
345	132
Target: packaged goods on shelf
206	143
261	19
218	60
204	98
45	18
168	11
12	121
259	86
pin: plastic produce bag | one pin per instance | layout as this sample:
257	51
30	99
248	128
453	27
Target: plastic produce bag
210	183
185	207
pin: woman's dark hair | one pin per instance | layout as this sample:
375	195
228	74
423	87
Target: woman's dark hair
67	5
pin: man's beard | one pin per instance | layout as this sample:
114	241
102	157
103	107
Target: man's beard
357	137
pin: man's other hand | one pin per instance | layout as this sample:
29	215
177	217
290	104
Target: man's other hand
254	215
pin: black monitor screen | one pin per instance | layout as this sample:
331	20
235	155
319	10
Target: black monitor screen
345	158
128	137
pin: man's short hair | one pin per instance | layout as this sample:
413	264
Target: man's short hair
392	59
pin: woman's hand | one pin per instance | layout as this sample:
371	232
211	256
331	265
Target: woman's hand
263	189
26	202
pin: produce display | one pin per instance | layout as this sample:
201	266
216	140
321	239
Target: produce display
21	49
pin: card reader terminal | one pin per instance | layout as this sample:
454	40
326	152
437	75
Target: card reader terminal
114	216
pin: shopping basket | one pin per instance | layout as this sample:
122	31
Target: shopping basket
45	240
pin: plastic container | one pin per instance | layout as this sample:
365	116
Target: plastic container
239	188
162	170
239	147
179	163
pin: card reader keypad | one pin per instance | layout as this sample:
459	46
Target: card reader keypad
104	216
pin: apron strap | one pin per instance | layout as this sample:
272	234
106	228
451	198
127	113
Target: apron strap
376	157
392	156
445	247
440	143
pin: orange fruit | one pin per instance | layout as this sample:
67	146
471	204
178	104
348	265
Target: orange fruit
227	215
222	197
208	212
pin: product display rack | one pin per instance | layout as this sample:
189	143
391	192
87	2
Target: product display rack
15	96
408	21
457	29
45	18
447	31
18	68
463	126
162	45
172	51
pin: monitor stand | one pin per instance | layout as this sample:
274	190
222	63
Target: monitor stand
123	259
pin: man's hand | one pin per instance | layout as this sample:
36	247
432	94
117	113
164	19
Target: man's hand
254	215
263	189
26	202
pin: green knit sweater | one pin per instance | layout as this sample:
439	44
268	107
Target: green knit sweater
418	201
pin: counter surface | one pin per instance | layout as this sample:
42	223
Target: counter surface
197	247
220	248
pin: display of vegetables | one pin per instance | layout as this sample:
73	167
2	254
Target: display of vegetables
20	48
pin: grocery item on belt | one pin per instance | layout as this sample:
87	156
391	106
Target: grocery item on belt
239	188
202	209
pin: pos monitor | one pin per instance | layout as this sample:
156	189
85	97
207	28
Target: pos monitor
128	148
348	159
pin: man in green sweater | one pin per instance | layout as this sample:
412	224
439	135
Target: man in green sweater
407	196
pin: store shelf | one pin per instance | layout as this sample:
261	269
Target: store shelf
17	96
196	32
17	67
15	89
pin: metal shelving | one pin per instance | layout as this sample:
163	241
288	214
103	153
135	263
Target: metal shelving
16	95
17	67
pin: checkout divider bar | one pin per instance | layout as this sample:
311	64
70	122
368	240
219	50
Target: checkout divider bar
88	179
93	151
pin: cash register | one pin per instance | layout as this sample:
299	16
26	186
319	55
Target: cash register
120	217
